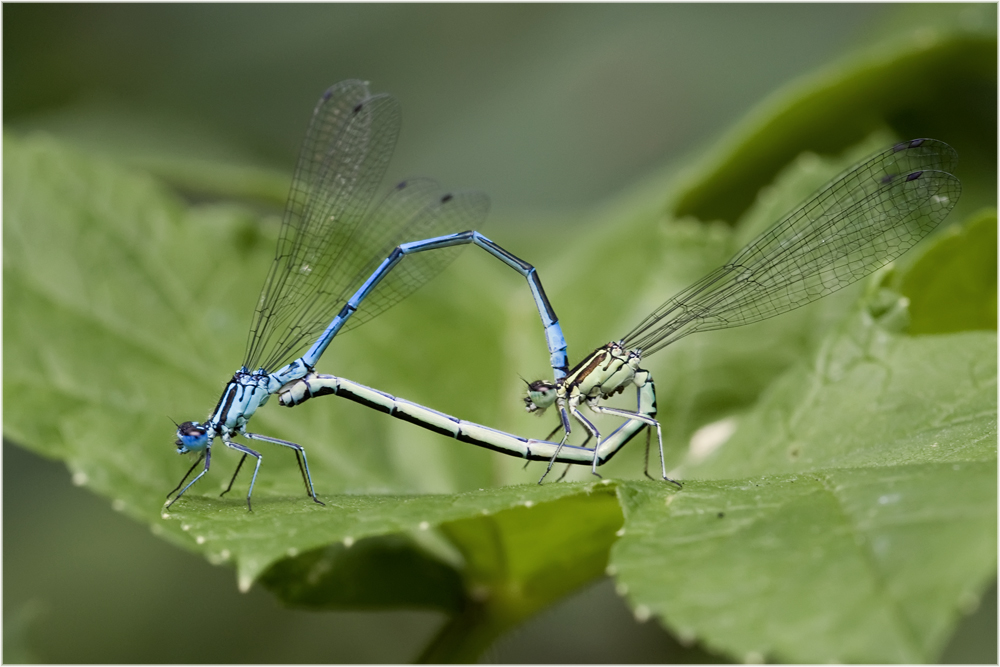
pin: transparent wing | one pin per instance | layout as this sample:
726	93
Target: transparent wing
414	210
333	237
862	220
342	162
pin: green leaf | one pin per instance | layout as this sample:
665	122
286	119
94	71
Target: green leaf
855	514
953	286
886	411
100	265
380	572
870	399
849	565
285	527
125	306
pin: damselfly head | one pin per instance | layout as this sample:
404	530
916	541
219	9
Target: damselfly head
191	437
541	394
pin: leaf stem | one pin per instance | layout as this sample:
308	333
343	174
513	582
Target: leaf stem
465	636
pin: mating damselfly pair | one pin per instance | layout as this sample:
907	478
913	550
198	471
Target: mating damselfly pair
343	258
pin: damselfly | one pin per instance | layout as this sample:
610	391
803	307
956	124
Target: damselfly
855	224
335	259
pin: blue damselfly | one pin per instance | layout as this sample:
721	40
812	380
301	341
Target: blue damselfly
333	268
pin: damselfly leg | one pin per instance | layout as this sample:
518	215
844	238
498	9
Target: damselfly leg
207	457
300	458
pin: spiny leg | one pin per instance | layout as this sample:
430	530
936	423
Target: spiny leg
303	462
570	465
627	414
302	470
246	450
238	466
554	431
187	474
208	461
554	455
564	422
549	438
645	465
597	434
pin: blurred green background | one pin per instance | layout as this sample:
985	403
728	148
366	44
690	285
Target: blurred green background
550	109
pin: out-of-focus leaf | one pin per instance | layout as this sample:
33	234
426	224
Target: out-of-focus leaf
953	286
522	560
381	572
931	82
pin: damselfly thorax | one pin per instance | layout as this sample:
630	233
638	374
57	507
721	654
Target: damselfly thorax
604	373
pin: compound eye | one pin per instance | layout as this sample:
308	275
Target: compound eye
541	395
191	437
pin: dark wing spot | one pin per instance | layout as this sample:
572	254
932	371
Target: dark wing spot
914	176
907	144
447	198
